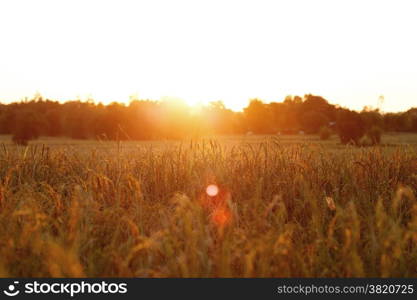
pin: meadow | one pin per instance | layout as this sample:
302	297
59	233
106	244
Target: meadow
235	206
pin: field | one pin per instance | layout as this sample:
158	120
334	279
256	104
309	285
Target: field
238	206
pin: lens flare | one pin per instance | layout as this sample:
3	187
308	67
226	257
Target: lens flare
221	217
212	190
215	201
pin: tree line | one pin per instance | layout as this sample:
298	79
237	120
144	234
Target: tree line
151	120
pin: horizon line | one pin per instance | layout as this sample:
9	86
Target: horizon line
39	97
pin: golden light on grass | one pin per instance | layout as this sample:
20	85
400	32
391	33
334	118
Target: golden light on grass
110	216
330	203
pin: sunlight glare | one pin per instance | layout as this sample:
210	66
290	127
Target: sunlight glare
209	51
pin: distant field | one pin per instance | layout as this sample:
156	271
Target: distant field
388	139
236	206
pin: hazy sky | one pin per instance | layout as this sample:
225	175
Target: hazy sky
350	52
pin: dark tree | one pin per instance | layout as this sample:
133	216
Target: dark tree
258	117
312	121
27	127
350	127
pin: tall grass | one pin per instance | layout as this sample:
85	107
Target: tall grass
299	210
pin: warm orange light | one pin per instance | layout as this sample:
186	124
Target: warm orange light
221	217
212	190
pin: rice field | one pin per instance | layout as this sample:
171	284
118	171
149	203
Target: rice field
243	206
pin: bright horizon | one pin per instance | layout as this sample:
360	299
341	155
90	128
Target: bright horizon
349	52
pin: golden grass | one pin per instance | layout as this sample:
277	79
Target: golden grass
297	210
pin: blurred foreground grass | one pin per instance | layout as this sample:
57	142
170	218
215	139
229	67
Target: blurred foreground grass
289	207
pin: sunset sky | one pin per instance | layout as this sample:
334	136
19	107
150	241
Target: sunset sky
349	52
